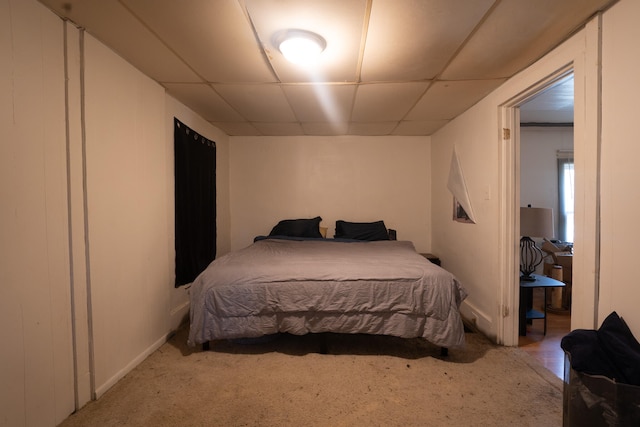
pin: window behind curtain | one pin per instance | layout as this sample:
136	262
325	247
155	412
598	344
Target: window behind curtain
195	199
566	184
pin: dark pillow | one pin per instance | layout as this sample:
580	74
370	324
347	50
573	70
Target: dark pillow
361	230
298	228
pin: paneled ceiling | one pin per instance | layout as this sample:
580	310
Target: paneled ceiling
391	67
554	105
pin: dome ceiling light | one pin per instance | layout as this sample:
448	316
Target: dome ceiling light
300	46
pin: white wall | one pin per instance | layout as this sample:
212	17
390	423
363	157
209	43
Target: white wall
130	193
539	166
86	214
351	178
619	290
36	354
470	251
128	213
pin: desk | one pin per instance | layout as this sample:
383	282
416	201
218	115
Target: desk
527	312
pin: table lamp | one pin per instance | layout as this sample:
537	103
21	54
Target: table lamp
534	222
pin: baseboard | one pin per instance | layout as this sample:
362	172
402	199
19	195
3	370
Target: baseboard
181	308
179	315
476	320
102	389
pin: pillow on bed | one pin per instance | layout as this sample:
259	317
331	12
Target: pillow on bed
361	230
298	228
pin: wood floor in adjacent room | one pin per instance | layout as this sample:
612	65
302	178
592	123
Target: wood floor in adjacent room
546	348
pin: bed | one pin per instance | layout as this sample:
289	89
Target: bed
301	283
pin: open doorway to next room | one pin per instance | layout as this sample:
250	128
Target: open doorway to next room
547	182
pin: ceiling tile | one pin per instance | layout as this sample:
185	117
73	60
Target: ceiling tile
402	46
321	102
279	129
558	99
560	95
325	128
386	101
446	100
218	57
237	128
258	103
204	100
516	34
131	40
220	50
417	128
339	22
372	128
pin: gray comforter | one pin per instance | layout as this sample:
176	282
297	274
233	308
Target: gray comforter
274	285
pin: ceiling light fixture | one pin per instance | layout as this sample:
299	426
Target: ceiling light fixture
300	46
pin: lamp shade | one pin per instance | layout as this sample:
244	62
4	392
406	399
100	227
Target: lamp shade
536	222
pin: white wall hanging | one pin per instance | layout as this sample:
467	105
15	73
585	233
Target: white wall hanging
462	210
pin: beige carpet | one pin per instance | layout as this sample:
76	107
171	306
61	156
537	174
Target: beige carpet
360	381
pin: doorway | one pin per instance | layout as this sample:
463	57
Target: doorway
547	181
509	172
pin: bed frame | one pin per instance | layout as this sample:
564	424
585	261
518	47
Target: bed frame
444	351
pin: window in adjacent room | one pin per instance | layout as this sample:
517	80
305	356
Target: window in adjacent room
566	184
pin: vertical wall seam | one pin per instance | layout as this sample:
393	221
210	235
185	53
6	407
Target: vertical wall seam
598	230
74	341
92	371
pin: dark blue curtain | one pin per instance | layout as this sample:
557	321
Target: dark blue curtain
195	196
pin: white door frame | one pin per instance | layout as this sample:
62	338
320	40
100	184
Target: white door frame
509	134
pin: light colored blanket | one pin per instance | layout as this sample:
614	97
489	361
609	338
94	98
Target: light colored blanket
275	285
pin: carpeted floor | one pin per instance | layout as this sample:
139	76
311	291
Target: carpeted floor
331	380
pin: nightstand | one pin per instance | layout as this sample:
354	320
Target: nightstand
434	259
527	312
